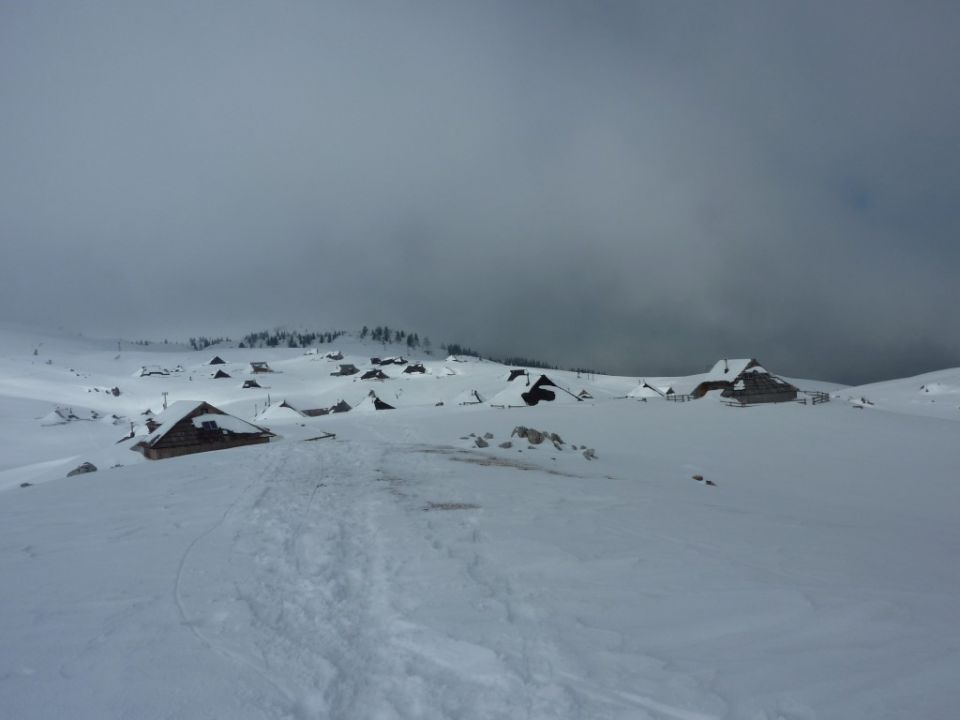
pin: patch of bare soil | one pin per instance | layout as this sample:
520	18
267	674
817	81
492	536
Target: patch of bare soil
465	456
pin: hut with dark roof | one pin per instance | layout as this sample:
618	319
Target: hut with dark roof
746	382
190	426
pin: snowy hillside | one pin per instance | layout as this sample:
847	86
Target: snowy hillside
786	561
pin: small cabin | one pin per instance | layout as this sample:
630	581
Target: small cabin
247	384
219	375
375	374
346	369
260	367
190	426
745	381
415	368
217	360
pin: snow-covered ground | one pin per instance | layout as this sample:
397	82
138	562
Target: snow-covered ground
400	571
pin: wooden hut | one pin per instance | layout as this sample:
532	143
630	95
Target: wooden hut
189	426
219	374
415	368
217	360
375	374
346	369
745	381
251	384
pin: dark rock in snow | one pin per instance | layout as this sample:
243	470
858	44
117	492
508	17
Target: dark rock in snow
481	443
488	435
506	445
86	467
590	454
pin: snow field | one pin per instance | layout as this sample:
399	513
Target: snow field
397	571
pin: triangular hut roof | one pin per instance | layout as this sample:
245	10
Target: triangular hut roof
518	394
647	390
199	412
371	403
468	397
283	411
729	369
219	374
217	360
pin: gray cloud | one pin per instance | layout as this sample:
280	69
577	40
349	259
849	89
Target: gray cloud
637	187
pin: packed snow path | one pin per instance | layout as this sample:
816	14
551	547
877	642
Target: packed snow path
307	582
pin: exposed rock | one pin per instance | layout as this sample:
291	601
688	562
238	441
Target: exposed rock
520	431
711	483
25	484
590	454
86	467
506	445
698	478
488	435
557	440
481	443
535	437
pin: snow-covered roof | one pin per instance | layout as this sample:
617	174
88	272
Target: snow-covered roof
728	369
174	413
643	391
468	397
180	409
512	395
229	423
278	412
369	403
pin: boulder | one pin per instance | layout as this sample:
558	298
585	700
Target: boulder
535	437
86	467
481	443
590	454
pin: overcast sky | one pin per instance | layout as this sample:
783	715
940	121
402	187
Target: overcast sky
634	186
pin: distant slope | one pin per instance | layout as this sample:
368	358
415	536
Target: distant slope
934	394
